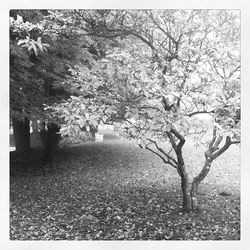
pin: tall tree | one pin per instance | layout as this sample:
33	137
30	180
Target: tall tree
42	48
22	82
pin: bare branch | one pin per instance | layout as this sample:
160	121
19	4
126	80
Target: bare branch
149	107
214	137
180	137
223	149
164	160
200	112
235	142
162	151
235	70
160	28
171	138
218	141
143	39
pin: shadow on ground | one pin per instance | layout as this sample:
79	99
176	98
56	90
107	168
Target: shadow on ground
113	190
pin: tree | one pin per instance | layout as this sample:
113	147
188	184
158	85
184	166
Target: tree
42	48
20	68
168	67
25	84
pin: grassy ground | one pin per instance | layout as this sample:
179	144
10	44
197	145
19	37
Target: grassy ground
113	190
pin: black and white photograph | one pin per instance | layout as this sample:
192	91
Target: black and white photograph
125	124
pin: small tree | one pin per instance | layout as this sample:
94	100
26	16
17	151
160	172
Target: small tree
170	67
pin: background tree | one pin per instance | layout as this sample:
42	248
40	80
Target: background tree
42	49
20	72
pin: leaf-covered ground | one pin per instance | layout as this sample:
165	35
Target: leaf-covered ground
113	190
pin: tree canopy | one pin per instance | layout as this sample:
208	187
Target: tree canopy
162	58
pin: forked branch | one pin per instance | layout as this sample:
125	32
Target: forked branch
167	161
162	151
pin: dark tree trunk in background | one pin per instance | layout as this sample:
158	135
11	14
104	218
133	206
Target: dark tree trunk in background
50	139
21	130
93	130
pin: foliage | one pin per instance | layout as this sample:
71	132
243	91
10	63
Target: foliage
44	46
41	53
134	78
178	64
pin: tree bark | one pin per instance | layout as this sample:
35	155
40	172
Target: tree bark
50	139
186	202
21	130
93	130
212	153
181	168
196	182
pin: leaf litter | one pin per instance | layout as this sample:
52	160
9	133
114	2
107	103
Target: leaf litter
116	191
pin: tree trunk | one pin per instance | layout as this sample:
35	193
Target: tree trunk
50	139
212	153
181	168
186	202
93	130
21	130
184	179
196	181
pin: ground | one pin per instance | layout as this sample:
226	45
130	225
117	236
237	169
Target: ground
113	190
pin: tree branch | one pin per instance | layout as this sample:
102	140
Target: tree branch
180	137
149	107
218	141
214	137
223	149
235	142
200	112
162	151
143	39
164	160
160	28
173	143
